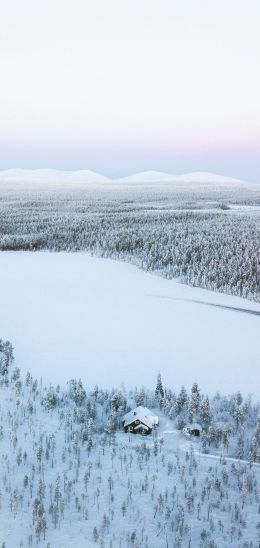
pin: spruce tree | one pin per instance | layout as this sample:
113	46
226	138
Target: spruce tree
181	401
159	391
254	452
194	402
205	412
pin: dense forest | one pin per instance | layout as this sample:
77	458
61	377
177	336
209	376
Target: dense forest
67	467
196	238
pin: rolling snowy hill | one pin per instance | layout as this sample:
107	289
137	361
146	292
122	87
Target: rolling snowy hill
87	176
50	176
196	177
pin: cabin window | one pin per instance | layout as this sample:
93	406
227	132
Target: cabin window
130	429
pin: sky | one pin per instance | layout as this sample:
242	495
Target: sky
120	86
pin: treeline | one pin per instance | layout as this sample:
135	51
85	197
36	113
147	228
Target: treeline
215	250
230	423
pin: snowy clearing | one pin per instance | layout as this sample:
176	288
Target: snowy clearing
73	315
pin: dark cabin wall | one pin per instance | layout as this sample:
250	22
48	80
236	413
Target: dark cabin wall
135	423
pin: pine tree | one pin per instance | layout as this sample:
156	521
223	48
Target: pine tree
41	488
195	395
4	367
90	428
254	451
95	534
194	402
159	391
116	401
76	391
181	401
28	379
140	397
238	415
240	445
205	412
50	399
16	374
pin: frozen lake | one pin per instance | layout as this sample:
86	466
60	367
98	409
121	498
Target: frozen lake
73	315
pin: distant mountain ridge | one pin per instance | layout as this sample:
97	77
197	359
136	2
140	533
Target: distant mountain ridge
196	177
87	176
51	175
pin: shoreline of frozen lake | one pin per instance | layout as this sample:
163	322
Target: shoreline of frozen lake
74	315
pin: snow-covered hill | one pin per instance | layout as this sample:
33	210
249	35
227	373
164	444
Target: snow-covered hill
87	176
51	176
196	177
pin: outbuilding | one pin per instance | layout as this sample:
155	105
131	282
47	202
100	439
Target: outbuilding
193	429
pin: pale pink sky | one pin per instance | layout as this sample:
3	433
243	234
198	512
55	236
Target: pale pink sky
122	86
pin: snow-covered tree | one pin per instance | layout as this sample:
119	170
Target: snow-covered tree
194	402
159	391
254	451
205	412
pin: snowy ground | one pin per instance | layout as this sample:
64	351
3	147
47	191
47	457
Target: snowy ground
134	492
72	315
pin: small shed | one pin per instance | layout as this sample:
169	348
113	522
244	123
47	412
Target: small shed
193	429
140	421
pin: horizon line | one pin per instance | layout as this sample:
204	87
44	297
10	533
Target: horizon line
152	172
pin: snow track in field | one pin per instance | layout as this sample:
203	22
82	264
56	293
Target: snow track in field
73	315
232	308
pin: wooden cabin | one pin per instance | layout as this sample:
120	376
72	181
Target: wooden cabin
140	421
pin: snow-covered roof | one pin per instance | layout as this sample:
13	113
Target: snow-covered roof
141	425
143	414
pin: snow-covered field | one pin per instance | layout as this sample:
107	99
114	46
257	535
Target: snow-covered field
73	315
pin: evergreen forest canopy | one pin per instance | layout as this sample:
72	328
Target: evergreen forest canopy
208	237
